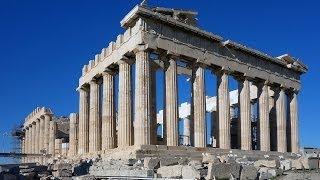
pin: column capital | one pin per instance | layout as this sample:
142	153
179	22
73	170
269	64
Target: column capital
221	71
125	59
141	48
108	71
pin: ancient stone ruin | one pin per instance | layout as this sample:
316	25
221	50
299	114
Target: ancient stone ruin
100	142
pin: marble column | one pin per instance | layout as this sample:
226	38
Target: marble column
125	105
281	120
23	143
41	135
142	99
108	112
83	121
94	122
171	103
33	137
73	134
245	114
223	110
29	141
52	137
26	139
186	131
37	137
57	147
294	121
47	119
264	123
33	140
199	105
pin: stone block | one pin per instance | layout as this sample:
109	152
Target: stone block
296	164
269	173
249	172
169	161
196	164
162	147
189	172
170	171
310	163
151	163
285	165
208	158
223	170
183	161
267	163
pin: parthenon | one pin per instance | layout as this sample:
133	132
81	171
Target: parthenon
169	40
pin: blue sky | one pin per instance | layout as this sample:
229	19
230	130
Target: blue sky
44	44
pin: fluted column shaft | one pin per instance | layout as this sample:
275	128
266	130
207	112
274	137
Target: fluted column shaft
281	120
37	136
23	145
26	149
73	134
28	139
108	112
83	121
186	131
41	134
171	105
47	119
33	138
125	105
245	114
224	110
94	123
294	122
199	100
264	124
52	137
142	99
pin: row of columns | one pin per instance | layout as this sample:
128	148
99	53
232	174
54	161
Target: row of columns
96	134
36	139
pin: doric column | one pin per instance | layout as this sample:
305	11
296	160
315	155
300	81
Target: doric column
142	99
294	121
23	143
281	120
26	140
125	105
47	119
245	114
73	134
37	136
94	122
57	147
33	137
29	141
223	107
171	102
108	112
52	137
41	134
199	105
186	131
264	124
83	121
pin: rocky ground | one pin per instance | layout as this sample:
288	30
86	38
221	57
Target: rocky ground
174	164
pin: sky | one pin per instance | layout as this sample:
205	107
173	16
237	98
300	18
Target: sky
44	45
